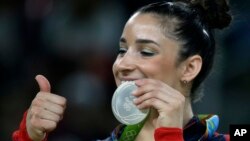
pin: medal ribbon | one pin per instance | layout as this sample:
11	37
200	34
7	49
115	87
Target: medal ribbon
131	131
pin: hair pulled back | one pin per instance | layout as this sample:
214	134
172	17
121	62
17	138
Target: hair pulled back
192	23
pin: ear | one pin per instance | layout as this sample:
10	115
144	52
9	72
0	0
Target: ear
191	68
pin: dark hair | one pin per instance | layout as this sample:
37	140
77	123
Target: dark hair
192	22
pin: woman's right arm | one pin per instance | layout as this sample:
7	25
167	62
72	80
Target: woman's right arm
45	112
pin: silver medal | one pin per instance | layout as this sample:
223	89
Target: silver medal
123	107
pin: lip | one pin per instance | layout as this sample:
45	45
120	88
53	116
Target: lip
128	79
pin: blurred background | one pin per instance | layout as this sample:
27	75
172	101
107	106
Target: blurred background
74	43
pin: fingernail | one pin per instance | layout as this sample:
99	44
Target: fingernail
133	92
139	106
135	100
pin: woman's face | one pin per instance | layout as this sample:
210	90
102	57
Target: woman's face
145	52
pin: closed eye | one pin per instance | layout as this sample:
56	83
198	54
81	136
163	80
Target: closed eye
122	51
147	53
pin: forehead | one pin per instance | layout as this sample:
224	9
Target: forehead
143	26
148	18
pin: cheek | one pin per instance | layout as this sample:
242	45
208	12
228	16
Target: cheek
171	76
161	69
114	67
115	72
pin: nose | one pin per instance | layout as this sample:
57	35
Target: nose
126	63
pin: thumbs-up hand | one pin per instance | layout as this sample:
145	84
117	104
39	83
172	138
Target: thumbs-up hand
45	112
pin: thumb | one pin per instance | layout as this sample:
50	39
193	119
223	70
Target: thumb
43	83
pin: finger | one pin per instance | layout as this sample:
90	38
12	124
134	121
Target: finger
56	99
155	89
43	124
48	125
54	108
47	115
141	82
41	113
43	83
48	105
152	102
154	94
148	85
162	104
145	86
143	89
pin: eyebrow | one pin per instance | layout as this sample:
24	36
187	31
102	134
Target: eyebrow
123	40
141	41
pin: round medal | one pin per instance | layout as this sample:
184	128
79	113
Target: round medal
123	107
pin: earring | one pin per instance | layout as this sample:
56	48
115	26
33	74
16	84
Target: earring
185	82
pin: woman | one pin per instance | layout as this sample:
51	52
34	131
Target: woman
167	48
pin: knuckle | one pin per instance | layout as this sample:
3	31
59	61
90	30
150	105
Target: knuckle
51	126
57	118
37	112
39	94
37	102
144	97
62	109
147	102
54	126
64	100
61	117
158	94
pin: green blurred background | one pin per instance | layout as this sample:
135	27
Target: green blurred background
74	43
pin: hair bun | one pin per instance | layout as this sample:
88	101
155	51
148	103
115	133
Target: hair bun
216	12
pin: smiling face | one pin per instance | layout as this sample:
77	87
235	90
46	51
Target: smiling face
145	52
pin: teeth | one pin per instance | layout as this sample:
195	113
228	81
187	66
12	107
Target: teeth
126	81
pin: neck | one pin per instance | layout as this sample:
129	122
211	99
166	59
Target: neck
188	112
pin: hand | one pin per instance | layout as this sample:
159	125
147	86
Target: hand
168	102
45	112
